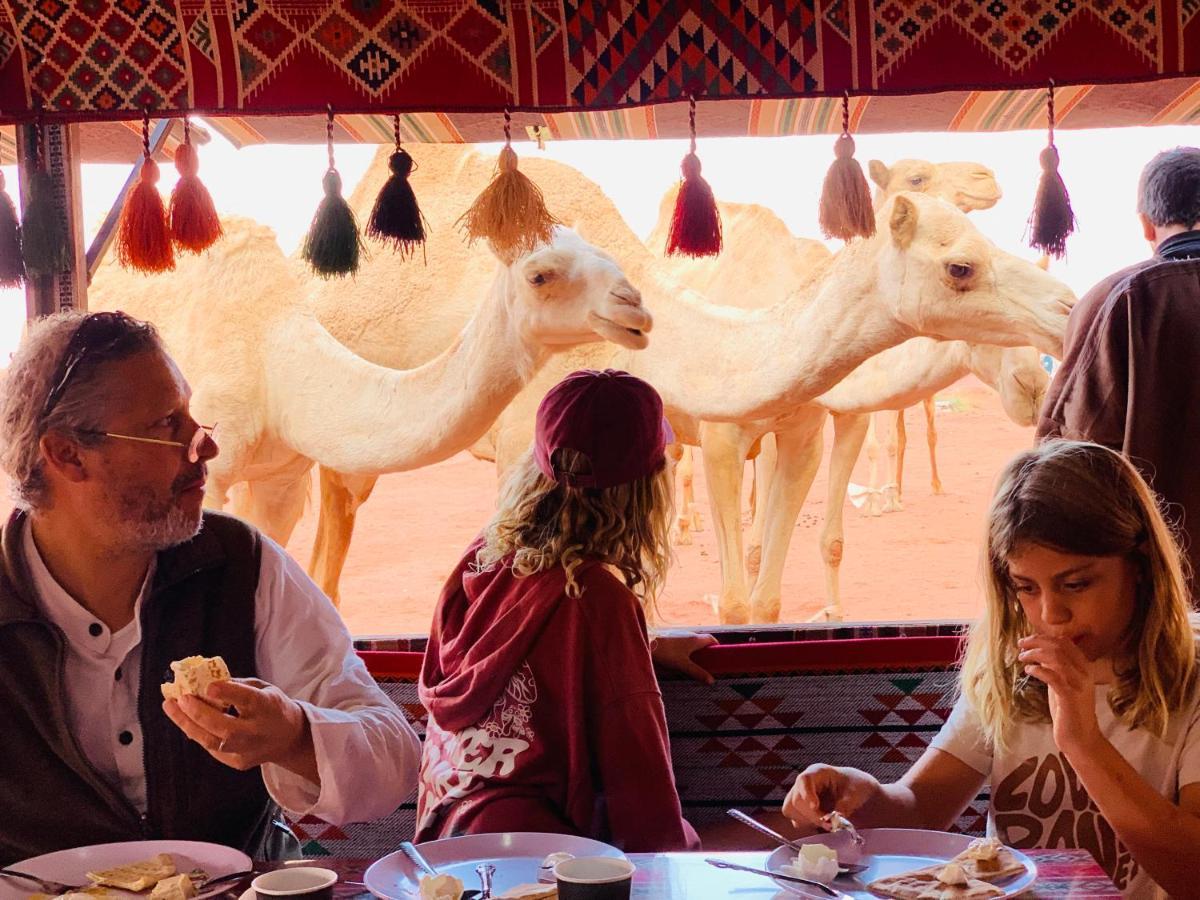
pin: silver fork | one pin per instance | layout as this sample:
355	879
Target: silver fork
44	884
843	868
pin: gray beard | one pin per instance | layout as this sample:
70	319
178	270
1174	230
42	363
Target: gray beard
177	527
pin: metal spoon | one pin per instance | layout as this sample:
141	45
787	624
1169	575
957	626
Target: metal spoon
824	888
843	868
835	822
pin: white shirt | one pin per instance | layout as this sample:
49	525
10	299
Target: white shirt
367	753
1038	800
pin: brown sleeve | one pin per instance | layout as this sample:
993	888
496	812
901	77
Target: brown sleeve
1090	396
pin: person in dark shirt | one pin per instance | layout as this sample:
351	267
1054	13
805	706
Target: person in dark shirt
1128	379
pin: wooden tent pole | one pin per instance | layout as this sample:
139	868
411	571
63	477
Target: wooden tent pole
49	294
108	228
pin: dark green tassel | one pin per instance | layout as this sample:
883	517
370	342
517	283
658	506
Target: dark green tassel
43	233
332	244
396	218
12	268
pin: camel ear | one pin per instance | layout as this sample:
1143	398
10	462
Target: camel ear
903	222
879	173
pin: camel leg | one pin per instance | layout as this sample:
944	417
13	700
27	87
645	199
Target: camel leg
341	496
764	473
901	446
681	532
874	503
274	504
724	449
931	438
849	432
798	457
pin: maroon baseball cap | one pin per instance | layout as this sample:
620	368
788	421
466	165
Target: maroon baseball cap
611	417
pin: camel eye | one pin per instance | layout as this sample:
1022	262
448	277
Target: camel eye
959	271
538	278
917	180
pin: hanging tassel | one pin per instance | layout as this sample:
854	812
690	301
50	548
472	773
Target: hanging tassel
44	244
332	244
12	268
696	223
510	213
144	236
846	211
396	218
195	225
1052	219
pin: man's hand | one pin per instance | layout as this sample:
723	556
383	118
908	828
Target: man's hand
269	727
674	651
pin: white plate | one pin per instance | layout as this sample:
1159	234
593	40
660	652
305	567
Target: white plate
71	866
516	856
889	851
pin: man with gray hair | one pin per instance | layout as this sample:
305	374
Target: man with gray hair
109	571
1132	351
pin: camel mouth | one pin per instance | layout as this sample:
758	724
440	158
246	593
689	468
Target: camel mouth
633	338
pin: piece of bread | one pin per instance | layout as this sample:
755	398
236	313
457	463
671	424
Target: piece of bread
440	887
177	887
136	876
989	860
923	884
193	676
531	892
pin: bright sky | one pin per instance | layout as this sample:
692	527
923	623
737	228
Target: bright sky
280	185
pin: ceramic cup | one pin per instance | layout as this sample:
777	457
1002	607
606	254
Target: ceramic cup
295	883
594	878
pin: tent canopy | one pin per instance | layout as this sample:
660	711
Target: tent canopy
589	69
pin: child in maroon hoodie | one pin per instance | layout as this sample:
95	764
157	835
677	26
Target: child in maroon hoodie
544	711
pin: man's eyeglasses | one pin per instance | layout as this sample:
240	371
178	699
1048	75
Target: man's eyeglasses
193	446
99	331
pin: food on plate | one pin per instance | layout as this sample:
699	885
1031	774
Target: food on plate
989	860
440	887
136	876
927	884
816	861
193	676
530	892
177	887
90	893
546	869
952	873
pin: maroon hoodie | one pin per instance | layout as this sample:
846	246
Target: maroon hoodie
544	713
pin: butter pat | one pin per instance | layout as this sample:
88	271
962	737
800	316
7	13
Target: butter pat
441	887
178	887
984	849
952	873
818	862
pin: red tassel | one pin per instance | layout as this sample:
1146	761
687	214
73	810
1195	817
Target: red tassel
195	225
144	239
12	266
696	222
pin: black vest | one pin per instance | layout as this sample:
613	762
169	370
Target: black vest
201	604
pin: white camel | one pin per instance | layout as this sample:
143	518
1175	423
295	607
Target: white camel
927	271
285	392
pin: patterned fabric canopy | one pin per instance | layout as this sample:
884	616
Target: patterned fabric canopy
586	68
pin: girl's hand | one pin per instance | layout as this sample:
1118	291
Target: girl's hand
821	789
674	651
1061	665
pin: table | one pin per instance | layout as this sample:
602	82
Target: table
685	876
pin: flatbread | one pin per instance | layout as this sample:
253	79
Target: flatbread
530	892
1003	866
136	876
923	884
177	887
193	676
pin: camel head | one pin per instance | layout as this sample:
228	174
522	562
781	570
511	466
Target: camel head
967	185
567	292
946	280
1017	375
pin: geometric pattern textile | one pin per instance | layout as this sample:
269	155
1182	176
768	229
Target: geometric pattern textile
90	60
738	743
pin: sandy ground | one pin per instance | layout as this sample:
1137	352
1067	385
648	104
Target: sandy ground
920	563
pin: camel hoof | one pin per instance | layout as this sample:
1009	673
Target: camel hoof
828	614
729	612
937	488
765	613
893	505
681	535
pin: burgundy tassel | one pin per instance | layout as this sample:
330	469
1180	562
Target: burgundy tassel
696	222
12	266
195	225
846	210
144	235
1052	220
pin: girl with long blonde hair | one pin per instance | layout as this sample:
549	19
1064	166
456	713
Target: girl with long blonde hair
1078	696
544	710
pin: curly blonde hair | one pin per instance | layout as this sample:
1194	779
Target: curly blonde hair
542	524
1081	498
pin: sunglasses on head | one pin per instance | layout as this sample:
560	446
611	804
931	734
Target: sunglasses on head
98	332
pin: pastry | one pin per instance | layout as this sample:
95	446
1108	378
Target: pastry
136	876
193	676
